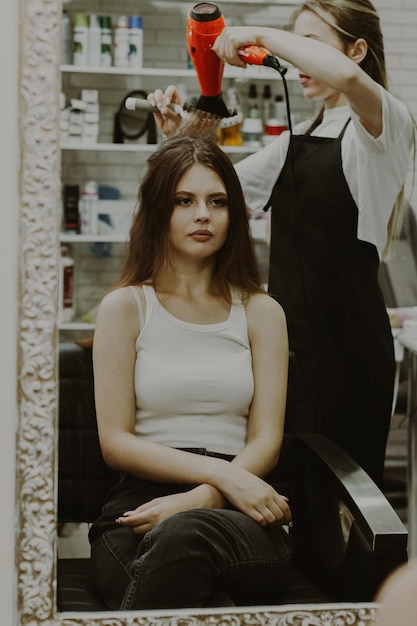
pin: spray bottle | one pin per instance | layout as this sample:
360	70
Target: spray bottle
89	209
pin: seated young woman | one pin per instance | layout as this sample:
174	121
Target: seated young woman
190	366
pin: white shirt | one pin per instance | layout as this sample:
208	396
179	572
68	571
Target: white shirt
375	169
193	382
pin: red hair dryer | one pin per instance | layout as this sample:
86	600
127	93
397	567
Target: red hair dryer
205	23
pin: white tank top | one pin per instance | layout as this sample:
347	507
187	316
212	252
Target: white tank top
193	382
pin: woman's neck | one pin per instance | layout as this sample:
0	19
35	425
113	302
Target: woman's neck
335	100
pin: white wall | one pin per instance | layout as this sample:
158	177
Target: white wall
9	167
399	20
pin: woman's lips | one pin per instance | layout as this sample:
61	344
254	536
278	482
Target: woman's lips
303	78
201	235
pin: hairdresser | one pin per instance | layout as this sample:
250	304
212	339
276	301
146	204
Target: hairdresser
190	368
335	188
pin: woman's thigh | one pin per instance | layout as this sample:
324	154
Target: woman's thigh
187	557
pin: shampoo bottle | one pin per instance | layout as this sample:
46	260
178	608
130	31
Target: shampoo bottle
121	42
94	41
135	41
80	39
106	57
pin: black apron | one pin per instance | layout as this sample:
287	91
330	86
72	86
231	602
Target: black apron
327	282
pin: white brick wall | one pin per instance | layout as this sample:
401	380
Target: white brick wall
164	46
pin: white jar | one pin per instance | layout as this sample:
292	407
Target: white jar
252	131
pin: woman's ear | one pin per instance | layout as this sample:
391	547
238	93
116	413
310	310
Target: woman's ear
357	50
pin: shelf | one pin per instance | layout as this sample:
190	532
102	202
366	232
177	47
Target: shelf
70	238
110	147
141	147
78	326
248	73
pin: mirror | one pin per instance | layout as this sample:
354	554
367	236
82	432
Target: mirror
131	125
36	536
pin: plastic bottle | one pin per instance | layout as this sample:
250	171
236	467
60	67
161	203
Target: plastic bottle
121	42
71	217
80	39
106	57
252	131
66	39
89	209
231	136
253	102
266	104
280	110
66	308
135	54
94	41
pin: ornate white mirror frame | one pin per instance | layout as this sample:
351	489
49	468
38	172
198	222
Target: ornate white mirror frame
36	538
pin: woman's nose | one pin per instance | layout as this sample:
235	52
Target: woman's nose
202	213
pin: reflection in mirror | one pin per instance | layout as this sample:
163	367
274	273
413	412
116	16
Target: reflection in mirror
37	437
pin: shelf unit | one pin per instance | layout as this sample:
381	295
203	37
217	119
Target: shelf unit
85	161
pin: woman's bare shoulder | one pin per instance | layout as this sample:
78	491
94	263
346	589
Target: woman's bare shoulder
119	302
122	296
262	310
263	303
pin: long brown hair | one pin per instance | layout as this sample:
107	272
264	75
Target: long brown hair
148	251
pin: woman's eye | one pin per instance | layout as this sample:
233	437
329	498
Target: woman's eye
219	202
183	201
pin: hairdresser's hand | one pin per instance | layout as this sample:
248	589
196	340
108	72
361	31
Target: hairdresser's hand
166	119
231	39
253	496
146	516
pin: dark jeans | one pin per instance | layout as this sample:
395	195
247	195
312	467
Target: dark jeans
197	558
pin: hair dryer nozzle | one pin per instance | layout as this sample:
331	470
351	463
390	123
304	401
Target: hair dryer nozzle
214	105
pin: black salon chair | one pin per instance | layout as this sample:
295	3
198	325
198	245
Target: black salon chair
347	537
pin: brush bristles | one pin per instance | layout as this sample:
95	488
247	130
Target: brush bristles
199	123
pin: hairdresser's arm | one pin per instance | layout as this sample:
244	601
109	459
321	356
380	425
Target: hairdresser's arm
217	480
315	58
